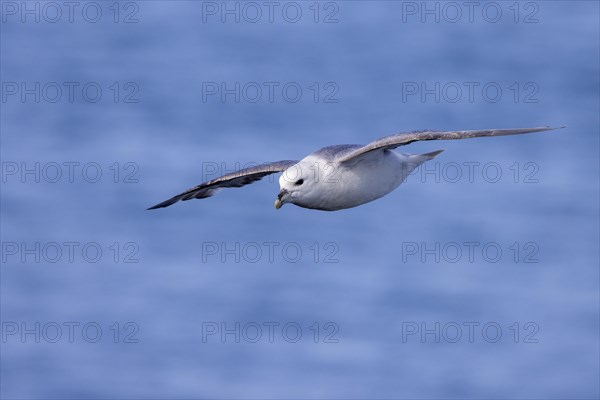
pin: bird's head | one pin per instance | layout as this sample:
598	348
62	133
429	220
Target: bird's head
294	185
304	184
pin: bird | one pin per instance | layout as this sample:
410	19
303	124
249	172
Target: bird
341	176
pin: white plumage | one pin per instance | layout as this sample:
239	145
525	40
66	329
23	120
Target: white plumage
341	176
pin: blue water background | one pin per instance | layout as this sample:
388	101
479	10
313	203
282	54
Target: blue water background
171	135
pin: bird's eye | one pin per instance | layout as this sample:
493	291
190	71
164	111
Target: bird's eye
299	181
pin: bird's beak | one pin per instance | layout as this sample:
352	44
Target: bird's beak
281	198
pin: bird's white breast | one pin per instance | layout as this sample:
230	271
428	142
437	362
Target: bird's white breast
373	176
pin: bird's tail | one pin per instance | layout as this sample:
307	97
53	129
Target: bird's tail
432	155
412	161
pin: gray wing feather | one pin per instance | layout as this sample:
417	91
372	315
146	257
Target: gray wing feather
235	179
402	139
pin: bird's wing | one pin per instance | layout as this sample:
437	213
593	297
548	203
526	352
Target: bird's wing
402	139
235	179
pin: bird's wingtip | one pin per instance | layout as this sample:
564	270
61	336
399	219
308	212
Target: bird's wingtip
166	203
159	205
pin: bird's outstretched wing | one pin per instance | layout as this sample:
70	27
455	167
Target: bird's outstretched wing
402	139
235	179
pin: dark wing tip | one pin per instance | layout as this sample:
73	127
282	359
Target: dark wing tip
549	128
165	203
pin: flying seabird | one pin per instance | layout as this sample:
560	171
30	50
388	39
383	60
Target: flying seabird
341	176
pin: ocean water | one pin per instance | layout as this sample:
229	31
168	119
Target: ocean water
477	278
